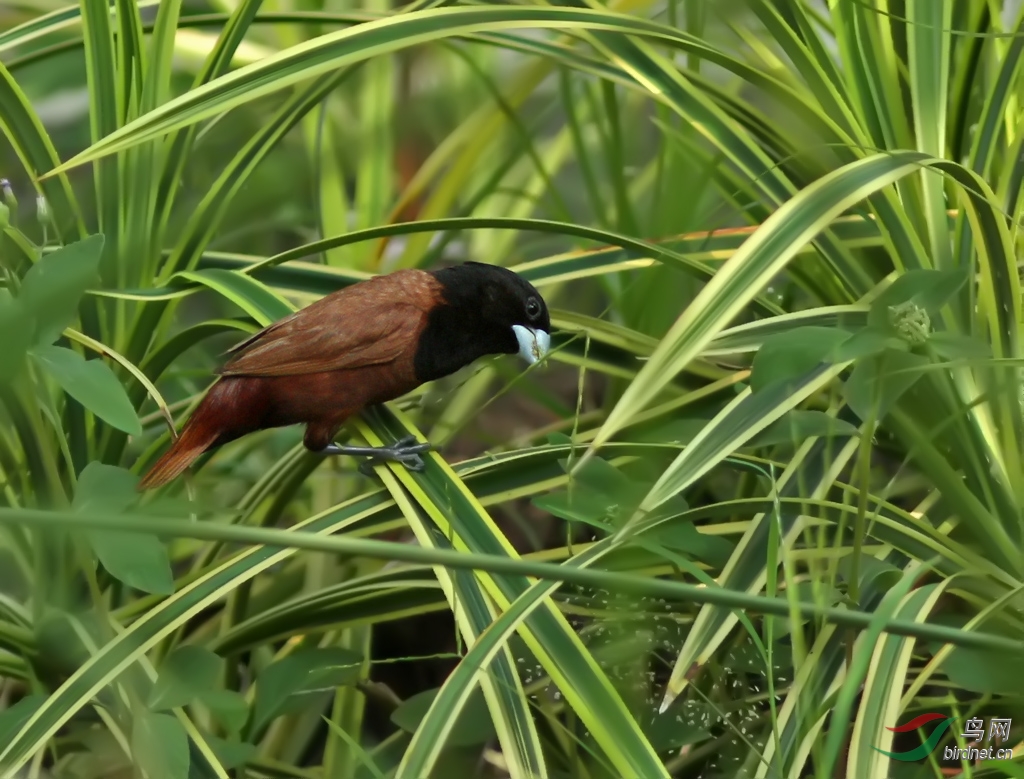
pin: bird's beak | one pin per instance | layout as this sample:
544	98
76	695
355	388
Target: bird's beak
533	344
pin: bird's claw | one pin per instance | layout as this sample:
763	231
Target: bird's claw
411	461
405	451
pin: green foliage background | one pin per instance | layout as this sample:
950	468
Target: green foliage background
761	505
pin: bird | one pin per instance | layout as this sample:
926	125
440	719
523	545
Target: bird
357	347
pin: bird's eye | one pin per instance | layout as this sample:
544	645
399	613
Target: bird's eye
532	308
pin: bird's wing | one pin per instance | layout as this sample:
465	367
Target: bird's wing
369	323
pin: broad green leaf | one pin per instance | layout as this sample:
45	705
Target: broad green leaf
17	337
789	356
229	707
929	289
189	672
876	384
231	754
138	560
579	506
799	425
283	683
599	494
105	487
92	383
957	346
985	672
868	342
54	286
473	725
681	536
15	715
601	476
941	289
160	746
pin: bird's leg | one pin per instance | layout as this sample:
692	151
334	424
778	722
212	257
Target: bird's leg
405	451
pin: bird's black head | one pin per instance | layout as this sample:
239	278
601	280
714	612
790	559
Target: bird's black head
486	309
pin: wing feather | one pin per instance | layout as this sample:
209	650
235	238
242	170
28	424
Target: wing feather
370	323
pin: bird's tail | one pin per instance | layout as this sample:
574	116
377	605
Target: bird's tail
198	435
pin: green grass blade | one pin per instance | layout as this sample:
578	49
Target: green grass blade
35	150
336	50
883	685
760	258
500	682
446	499
928	44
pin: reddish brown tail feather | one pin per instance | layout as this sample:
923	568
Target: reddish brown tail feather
198	435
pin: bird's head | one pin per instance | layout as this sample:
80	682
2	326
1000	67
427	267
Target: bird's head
491	310
511	303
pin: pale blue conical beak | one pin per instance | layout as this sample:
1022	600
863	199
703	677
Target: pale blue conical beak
533	344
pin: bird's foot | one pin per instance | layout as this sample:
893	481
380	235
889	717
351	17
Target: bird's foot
405	451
